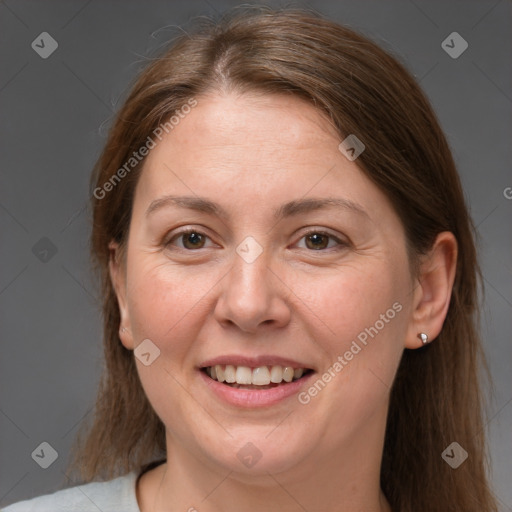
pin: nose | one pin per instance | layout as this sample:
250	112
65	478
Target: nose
252	296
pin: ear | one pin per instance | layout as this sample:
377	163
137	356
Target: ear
118	278
433	289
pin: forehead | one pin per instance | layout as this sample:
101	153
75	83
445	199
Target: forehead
243	150
245	134
234	117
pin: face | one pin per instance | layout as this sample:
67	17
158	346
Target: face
271	275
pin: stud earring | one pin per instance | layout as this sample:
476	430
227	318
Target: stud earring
123	329
423	337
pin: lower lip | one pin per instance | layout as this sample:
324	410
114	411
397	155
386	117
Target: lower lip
255	398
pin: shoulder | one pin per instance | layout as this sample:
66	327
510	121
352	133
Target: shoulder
111	496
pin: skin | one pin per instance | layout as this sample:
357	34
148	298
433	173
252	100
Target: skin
251	154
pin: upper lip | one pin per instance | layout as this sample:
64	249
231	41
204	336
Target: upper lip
253	362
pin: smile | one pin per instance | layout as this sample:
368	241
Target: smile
254	387
261	377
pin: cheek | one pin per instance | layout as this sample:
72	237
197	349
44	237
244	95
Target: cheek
164	305
361	318
353	299
367	313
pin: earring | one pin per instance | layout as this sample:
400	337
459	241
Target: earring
423	337
123	329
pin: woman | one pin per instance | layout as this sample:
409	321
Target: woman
289	285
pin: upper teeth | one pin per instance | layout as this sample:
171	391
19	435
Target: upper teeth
260	376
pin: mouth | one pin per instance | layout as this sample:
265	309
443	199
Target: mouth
257	378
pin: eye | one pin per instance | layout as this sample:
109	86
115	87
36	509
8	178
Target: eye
191	239
318	240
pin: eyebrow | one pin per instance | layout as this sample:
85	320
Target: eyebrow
290	209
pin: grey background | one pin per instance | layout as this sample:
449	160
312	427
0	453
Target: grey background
54	117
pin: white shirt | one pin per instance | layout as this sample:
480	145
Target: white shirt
117	495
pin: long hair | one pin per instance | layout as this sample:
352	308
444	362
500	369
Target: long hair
436	397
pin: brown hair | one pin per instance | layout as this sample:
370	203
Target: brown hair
436	397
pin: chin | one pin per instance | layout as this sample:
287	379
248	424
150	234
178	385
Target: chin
257	452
